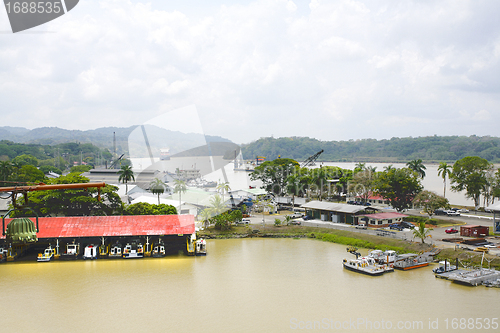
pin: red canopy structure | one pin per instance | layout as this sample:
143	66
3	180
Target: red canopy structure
97	226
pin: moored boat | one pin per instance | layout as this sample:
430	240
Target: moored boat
72	251
133	250
47	255
201	247
410	261
158	250
365	265
115	251
90	252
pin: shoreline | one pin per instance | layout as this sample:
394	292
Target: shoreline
350	238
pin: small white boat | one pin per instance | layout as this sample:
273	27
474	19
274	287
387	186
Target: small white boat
158	250
47	255
133	250
366	265
201	247
115	251
90	252
72	251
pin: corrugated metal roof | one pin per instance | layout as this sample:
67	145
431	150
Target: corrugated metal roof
96	226
334	207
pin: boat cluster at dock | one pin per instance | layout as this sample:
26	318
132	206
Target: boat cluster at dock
132	249
378	262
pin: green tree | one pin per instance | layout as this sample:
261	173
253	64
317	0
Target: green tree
5	170
444	170
421	232
80	168
25	159
217	205
430	201
48	168
125	175
273	174
469	174
158	187
30	174
399	186
179	187
144	208
495	192
205	215
417	166
75	202
362	184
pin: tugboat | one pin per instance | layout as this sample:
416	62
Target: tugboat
201	247
133	250
159	250
364	265
47	255
90	252
115	251
72	251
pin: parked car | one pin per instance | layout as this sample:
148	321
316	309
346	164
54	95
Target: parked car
396	226
294	222
407	225
307	217
295	215
361	226
451	231
452	213
440	212
463	210
244	221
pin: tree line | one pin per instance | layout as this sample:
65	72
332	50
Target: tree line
428	149
401	186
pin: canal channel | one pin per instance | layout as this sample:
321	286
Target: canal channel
242	285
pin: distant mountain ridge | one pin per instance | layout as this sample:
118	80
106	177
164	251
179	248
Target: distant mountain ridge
429	149
103	137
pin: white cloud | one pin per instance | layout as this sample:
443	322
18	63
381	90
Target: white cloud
326	71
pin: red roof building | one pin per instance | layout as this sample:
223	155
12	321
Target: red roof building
384	219
97	226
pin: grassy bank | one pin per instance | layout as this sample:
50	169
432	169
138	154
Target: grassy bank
344	237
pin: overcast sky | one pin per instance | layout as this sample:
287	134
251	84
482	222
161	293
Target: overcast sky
332	70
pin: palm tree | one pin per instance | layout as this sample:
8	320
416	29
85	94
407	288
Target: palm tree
417	166
217	205
180	187
5	169
222	188
205	215
125	175
444	170
157	186
422	232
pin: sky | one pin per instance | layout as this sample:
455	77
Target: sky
331	70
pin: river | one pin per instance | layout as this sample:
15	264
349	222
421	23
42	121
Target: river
242	285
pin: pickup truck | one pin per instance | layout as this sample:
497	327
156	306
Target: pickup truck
244	221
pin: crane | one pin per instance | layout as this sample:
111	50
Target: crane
310	160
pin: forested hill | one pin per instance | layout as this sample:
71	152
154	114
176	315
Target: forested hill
429	149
